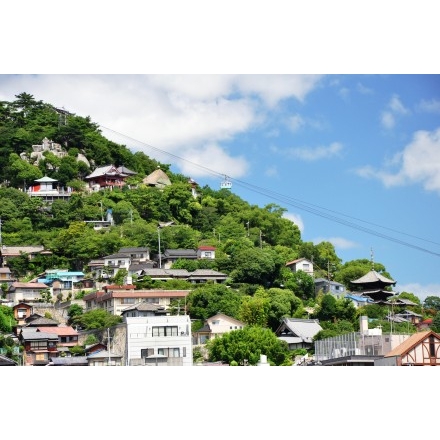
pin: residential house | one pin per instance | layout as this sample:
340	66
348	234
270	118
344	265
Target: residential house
298	333
424	325
116	300
336	289
43	188
61	281
103	358
359	301
207	275
144	309
6	276
216	326
67	336
25	292
22	311
159	341
108	177
39	346
301	264
206	253
7	362
31	252
170	256
420	349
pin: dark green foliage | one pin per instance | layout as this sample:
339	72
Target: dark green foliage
208	300
96	319
435	326
246	345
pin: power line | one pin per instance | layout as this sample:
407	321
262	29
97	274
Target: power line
308	207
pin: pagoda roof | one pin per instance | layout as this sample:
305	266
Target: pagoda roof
374	277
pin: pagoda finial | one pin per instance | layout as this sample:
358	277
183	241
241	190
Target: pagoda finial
372	261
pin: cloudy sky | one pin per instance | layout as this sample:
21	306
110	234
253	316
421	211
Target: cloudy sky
354	159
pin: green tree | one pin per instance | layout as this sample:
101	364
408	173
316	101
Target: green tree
247	345
435	325
73	311
96	319
432	302
208	300
254	310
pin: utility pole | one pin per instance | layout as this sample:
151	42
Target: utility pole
261	241
108	346
160	256
247	228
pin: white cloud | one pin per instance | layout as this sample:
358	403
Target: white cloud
295	218
316	153
432	106
419	290
203	157
394	107
295	122
344	93
337	242
387	120
271	171
419	162
363	90
274	88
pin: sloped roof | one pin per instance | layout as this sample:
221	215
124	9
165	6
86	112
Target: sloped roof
305	329
16	250
175	253
289	263
7	362
103	354
129	250
125	170
207	273
18	285
46	179
59	330
157	178
144	307
373	277
69	360
42	322
108	170
410	343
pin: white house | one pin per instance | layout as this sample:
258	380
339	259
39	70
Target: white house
159	341
301	264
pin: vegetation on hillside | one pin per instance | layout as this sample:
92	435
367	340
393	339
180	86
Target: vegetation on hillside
260	290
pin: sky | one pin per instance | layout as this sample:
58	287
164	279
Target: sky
354	159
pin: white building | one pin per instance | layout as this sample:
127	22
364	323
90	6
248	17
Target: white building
159	341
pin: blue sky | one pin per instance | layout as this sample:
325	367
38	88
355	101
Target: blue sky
355	159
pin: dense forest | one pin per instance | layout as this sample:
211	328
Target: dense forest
260	289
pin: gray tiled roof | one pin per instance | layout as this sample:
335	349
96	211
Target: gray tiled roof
373	277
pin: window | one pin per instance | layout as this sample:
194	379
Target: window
128	301
431	346
38	345
145	352
208	254
165	331
306	266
